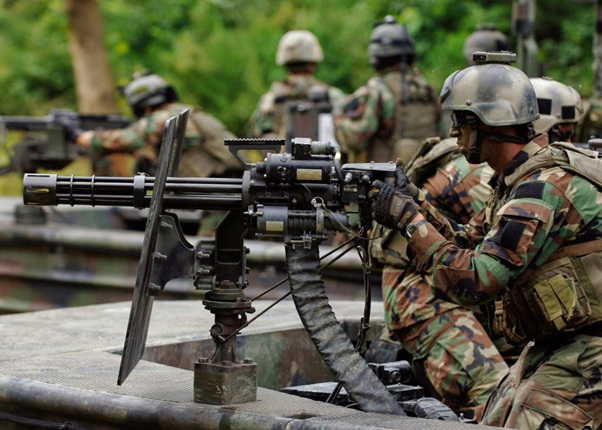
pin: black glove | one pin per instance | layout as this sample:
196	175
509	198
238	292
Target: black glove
404	185
391	207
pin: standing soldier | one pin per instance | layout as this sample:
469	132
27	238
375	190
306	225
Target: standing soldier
153	101
395	110
292	107
538	241
560	109
453	355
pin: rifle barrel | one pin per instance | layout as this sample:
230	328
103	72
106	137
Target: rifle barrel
27	123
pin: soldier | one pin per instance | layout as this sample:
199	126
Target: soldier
153	101
393	112
486	38
560	109
538	241
297	101
452	353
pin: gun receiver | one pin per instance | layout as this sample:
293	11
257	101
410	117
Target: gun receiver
299	196
55	150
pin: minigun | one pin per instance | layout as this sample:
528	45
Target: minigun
300	197
56	149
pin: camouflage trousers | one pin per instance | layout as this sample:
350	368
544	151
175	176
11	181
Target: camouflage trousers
457	356
555	384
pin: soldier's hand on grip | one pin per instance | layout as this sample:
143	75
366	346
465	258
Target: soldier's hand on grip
391	207
404	185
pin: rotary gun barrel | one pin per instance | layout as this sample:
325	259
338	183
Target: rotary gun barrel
180	193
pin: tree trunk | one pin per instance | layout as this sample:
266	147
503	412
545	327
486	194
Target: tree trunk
96	91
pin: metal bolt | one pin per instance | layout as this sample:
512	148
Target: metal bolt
252	182
154	289
248	361
165	225
159	256
203	360
226	363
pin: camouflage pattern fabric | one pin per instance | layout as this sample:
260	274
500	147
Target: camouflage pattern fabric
205	153
553	386
526	221
269	118
546	208
457	356
388	117
369	113
459	190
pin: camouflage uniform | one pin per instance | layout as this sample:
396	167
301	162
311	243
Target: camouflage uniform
520	245
388	117
269	118
447	342
204	153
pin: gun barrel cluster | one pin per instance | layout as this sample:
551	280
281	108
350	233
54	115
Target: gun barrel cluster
180	193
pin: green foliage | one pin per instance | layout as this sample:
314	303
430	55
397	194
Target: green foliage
219	54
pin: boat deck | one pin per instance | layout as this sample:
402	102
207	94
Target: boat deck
59	367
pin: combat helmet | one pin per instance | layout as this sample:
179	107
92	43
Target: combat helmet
497	93
486	38
299	46
147	89
558	104
389	39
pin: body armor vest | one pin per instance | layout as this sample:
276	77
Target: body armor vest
565	294
416	118
207	156
296	114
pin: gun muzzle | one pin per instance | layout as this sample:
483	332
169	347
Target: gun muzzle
39	189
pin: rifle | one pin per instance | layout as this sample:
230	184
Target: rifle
298	196
57	148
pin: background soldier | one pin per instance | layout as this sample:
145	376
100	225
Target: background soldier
300	93
393	112
485	38
449	346
539	241
153	101
560	109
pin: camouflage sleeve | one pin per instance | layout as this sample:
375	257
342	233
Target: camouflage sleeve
526	231
446	227
368	112
146	132
459	189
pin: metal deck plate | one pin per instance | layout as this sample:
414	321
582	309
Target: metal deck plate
64	362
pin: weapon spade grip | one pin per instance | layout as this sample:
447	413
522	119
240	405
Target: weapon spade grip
39	189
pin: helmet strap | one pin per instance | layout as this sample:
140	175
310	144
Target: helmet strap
475	142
